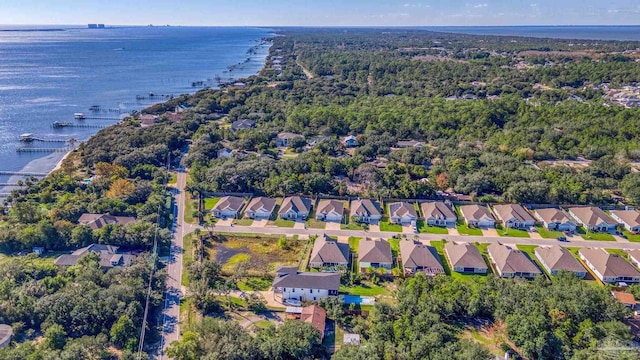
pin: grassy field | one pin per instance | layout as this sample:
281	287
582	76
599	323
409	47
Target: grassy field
209	203
595	235
353	243
243	222
424	228
632	238
548	234
395	247
512	232
187	257
280	222
386	226
254	284
191	206
364	290
315	224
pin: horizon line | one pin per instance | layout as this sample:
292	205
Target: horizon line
333	26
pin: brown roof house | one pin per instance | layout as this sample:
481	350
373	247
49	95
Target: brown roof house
438	213
514	216
293	286
609	268
402	213
109	256
260	208
477	216
366	211
630	219
556	258
147	120
465	258
330	210
417	257
316	316
634	256
511	262
328	253
295	207
374	254
555	219
228	207
593	218
626	299
97	221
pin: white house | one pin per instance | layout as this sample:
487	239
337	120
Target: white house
438	213
295	207
556	258
555	219
291	284
402	213
228	207
630	219
284	138
593	218
478	216
260	208
609	268
514	216
511	262
330	210
350	141
366	211
634	256
465	258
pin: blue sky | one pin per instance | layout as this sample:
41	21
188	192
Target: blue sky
322	12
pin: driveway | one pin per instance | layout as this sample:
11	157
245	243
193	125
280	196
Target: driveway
331	225
299	224
453	231
225	222
620	239
260	223
407	229
490	232
535	235
374	228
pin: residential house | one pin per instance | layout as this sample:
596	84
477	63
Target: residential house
328	253
225	153
556	258
626	299
374	254
243	124
634	256
295	207
402	213
291	284
284	138
477	216
465	258
147	120
593	218
366	211
228	207
109	256
417	257
438	213
555	219
511	262
350	141
260	208
330	210
630	219
317	140
402	144
316	316
514	216
97	221
609	268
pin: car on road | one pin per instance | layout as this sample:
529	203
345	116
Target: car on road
562	238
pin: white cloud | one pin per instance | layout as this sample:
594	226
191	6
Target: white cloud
478	6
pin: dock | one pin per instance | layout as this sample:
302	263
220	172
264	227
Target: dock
23	173
60	125
42	150
99	118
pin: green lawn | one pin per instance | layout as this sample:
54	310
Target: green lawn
530	250
261	324
617	252
254	283
439	246
187	257
173	179
353	243
243	222
280	222
548	234
424	228
395	246
315	224
353	226
191	206
238	258
465	230
632	238
595	235
364	290
512	232
386	226
209	203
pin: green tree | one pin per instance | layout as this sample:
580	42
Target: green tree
124	333
55	337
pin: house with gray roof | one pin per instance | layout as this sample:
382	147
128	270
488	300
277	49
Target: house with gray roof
556	258
295	207
555	219
514	216
477	216
634	256
284	138
417	257
328	253
465	258
403	144
609	268
630	219
593	218
109	256
330	210
374	253
350	141
243	124
291	284
260	208
437	213
366	211
402	213
97	221
511	262
228	207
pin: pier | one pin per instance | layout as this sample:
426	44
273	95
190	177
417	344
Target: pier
59	125
12	184
42	150
99	118
23	173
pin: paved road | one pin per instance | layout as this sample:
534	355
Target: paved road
171	312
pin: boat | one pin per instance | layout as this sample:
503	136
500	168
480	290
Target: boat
60	124
79	116
94	107
27	137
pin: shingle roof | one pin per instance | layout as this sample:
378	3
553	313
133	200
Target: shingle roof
288	135
558	258
97	221
327	250
295	203
634	254
365	207
475	212
232	203
623	297
316	316
553	215
508	211
437	210
308	280
107	253
401	209
464	255
374	251
327	206
609	265
258	203
509	260
591	215
629	217
243	124
418	255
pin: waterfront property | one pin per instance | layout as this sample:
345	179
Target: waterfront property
477	216
511	262
556	258
330	210
366	211
437	213
465	258
295	207
374	254
328	253
630	219
108	254
402	213
417	257
555	219
593	218
228	207
260	208
291	284
97	221
609	268
514	216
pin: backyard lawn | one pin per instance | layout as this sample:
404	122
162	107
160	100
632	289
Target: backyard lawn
512	232
364	290
424	228
353	243
209	203
385	225
548	234
595	235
